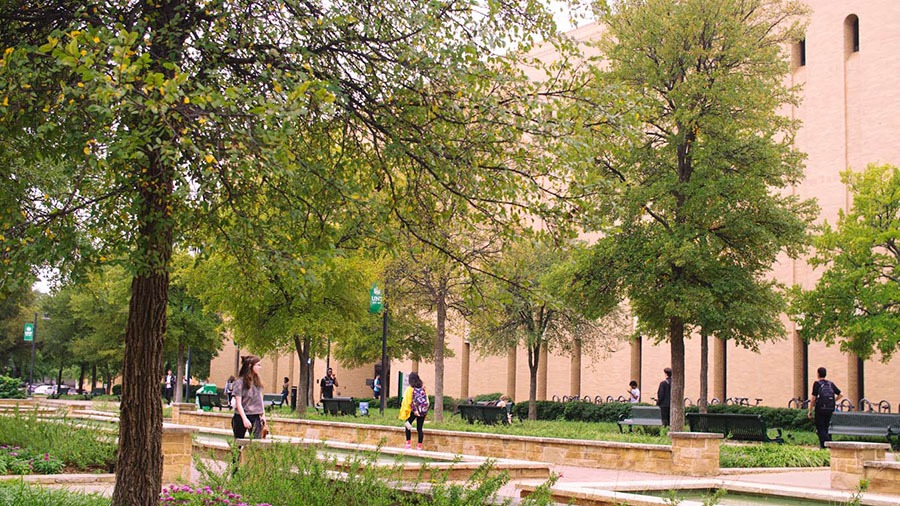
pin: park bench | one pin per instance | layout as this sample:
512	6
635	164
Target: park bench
486	414
95	393
60	391
209	401
641	415
866	424
735	426
270	401
339	405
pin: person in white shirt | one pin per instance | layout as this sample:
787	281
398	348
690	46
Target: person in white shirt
634	394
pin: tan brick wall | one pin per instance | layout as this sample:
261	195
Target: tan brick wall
176	450
847	459
884	477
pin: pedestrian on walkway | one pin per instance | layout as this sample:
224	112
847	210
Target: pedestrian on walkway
414	408
664	396
249	414
824	399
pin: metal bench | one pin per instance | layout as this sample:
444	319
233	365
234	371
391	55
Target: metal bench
270	401
641	415
486	414
209	401
735	426
339	406
866	424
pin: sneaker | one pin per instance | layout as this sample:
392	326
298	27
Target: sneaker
408	446
419	446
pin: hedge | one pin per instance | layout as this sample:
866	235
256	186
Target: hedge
11	388
575	411
783	418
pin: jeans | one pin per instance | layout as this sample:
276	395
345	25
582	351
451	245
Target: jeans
237	425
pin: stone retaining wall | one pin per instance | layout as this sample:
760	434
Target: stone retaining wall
691	453
852	462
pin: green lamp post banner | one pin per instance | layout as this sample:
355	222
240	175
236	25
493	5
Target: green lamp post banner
376	299
29	332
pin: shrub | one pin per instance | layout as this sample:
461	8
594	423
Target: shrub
487	397
83	448
772	455
22	494
11	388
117	390
576	411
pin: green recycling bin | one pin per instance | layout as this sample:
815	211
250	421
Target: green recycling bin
209	388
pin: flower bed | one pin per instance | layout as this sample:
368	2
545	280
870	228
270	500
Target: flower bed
200	496
15	460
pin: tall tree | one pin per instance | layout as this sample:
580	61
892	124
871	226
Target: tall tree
129	124
694	195
525	304
855	301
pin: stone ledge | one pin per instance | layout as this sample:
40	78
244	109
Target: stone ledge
854	445
173	428
882	464
68	479
695	435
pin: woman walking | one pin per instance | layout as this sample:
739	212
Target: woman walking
415	407
248	400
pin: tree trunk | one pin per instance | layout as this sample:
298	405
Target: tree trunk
139	458
439	358
93	377
303	387
81	378
59	376
311	376
704	371
676	340
534	357
179	373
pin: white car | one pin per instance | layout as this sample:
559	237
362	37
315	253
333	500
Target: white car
45	389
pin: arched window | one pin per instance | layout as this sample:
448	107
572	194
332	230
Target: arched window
851	34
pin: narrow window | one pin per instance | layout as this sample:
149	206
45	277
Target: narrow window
802	48
851	34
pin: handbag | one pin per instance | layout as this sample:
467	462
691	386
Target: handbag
265	430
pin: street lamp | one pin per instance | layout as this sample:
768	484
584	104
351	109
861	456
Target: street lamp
33	336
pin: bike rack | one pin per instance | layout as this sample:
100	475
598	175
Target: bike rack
884	406
598	399
688	402
586	398
866	406
555	398
610	398
845	405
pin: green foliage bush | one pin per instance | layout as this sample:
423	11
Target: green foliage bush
11	388
271	477
772	455
784	418
22	494
487	397
16	460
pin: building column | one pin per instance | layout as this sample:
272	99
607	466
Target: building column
720	359
292	358
853	386
542	374
575	375
275	382
636	357
801	366
415	366
464	374
511	372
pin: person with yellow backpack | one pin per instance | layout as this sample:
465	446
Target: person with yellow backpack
414	408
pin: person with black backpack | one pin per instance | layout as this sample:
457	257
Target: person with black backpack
824	399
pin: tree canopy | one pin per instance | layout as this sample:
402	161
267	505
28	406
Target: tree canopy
855	301
691	198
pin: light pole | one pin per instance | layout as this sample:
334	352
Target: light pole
33	336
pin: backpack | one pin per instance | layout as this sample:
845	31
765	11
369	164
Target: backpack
825	399
420	402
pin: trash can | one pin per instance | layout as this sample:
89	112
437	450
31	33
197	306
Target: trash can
209	388
293	398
